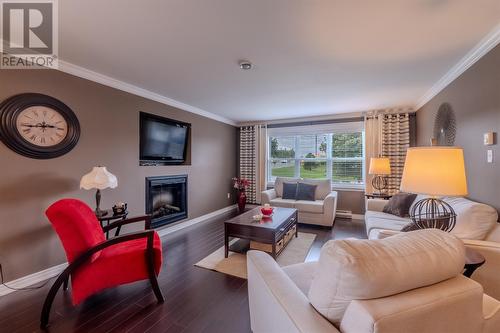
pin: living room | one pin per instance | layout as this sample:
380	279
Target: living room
250	166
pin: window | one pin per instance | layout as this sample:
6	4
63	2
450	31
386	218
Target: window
297	152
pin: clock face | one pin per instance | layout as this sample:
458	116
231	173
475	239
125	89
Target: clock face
42	126
38	126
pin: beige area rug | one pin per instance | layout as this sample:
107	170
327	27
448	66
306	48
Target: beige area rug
236	264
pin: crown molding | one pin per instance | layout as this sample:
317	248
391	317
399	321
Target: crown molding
85	73
82	72
486	44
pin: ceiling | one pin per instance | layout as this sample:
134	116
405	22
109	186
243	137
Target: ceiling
311	58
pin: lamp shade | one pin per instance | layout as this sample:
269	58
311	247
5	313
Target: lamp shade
380	166
437	171
99	178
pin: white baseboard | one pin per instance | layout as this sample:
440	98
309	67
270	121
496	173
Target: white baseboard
32	279
358	217
184	224
50	272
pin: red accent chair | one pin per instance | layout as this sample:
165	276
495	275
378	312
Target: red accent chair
96	263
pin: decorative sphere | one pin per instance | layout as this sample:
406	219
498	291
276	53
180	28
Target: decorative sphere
433	213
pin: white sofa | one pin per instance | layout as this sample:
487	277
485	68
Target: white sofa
476	225
321	211
362	286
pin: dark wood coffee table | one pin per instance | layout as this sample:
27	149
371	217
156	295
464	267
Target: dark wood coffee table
270	230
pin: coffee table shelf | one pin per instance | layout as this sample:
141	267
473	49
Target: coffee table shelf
269	231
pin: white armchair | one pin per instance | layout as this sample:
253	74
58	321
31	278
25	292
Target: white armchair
281	299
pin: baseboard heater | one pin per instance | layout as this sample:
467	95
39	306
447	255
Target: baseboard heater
347	214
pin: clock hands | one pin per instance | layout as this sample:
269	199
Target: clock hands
43	125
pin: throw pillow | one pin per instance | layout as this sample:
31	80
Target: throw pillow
410	227
306	191
399	204
289	191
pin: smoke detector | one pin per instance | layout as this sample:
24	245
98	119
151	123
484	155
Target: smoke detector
245	65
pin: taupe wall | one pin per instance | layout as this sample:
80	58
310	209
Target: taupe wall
109	122
475	98
351	200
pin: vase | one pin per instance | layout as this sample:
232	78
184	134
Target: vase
242	201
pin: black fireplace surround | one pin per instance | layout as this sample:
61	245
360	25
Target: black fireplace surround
166	199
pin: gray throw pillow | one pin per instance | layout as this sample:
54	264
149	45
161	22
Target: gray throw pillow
289	191
399	204
410	227
306	191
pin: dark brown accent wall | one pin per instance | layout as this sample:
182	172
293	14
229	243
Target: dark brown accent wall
109	120
475	98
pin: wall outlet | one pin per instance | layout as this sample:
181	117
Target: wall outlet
229	195
489	156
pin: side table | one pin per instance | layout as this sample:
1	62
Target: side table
109	218
473	260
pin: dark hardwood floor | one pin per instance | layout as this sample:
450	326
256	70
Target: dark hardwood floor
196	299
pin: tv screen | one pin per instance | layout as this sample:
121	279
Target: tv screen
162	141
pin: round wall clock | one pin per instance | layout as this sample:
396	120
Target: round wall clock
38	126
445	127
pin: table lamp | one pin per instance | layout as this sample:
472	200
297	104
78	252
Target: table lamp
379	166
434	171
99	178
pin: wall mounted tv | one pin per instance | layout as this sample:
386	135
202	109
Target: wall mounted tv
163	141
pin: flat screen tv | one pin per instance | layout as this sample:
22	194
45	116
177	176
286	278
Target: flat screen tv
162	140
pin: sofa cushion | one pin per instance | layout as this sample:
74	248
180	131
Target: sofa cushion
289	191
399	204
366	269
371	214
286	203
324	187
306	191
380	221
278	184
306	206
474	220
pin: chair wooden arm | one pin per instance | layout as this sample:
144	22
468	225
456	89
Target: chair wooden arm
117	224
85	256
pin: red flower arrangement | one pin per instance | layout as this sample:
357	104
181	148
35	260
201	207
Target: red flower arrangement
240	184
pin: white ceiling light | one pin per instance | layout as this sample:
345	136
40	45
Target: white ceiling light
245	65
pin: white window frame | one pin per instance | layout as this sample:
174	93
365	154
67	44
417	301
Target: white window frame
329	129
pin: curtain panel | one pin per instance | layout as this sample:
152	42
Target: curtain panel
253	150
395	142
387	134
373	146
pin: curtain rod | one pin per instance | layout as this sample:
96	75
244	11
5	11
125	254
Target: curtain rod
316	122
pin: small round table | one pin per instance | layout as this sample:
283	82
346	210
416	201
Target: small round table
378	196
473	260
110	217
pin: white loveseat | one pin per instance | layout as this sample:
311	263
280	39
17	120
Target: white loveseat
362	286
476	225
321	211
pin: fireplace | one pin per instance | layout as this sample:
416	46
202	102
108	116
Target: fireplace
166	199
